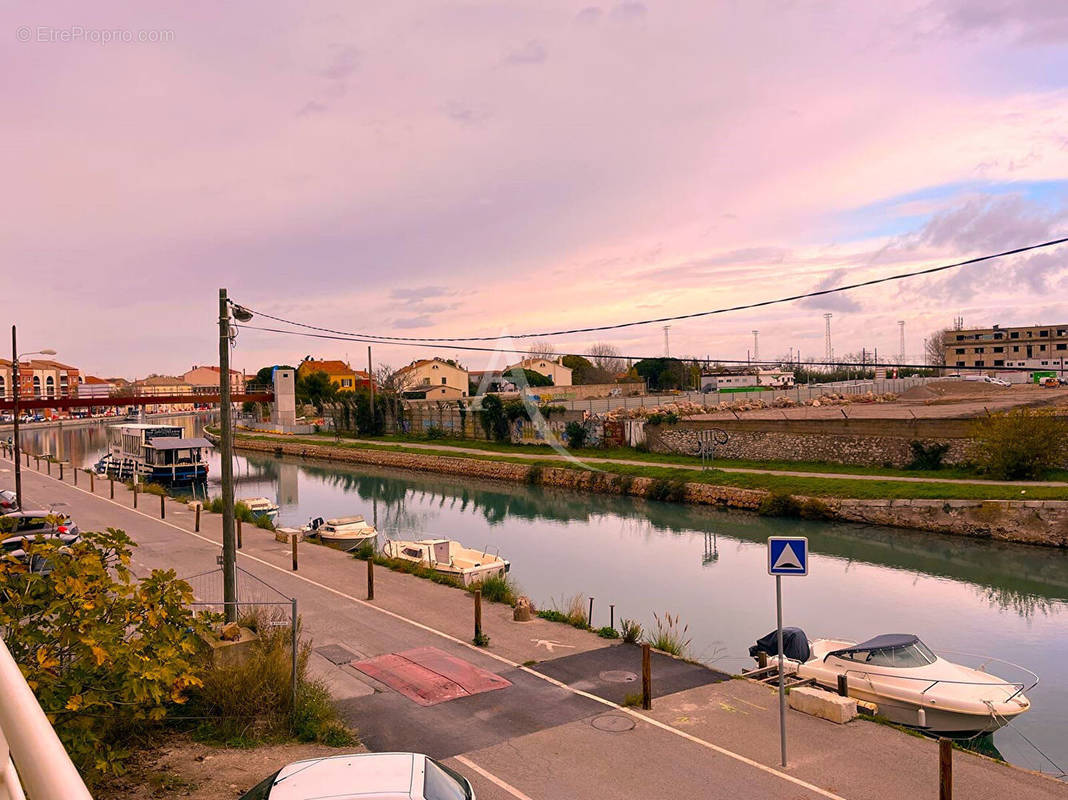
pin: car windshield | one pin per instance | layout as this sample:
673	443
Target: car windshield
262	790
916	654
441	783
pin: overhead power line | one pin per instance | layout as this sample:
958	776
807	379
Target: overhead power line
546	334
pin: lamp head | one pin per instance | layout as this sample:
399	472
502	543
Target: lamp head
242	314
47	352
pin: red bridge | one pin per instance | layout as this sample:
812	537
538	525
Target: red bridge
126	400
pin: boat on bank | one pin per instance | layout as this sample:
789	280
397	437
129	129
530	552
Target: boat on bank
449	558
154	454
261	507
354	530
906	680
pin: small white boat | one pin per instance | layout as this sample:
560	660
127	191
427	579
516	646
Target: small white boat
349	530
909	683
261	507
449	558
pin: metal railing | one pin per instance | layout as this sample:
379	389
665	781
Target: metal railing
27	739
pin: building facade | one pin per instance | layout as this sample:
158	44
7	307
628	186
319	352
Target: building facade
1028	347
561	375
422	375
340	374
165	385
39	379
206	380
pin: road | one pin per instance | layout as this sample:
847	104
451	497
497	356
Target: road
558	731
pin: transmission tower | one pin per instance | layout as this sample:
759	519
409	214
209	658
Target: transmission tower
756	345
901	346
828	354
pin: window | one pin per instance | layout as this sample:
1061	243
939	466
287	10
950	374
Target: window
346	383
960	351
1062	331
1014	335
441	783
444	381
999	349
999	362
1059	347
980	363
1043	333
916	654
1016	348
980	349
1042	347
960	338
960	363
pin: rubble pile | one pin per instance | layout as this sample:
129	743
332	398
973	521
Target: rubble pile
689	409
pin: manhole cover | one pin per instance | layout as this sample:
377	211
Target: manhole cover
335	653
618	676
613	723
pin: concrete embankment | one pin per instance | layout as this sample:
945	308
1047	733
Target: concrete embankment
1030	522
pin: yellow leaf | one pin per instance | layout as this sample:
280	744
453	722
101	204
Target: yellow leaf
74	703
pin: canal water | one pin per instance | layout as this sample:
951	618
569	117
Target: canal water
709	567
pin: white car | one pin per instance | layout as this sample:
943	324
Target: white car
999	381
364	776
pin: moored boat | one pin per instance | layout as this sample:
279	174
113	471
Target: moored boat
907	681
354	530
449	558
261	507
154	454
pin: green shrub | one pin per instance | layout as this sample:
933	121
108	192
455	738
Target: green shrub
669	636
534	474
814	508
154	489
672	491
365	551
777	504
927	456
608	632
632	630
631	700
434	432
1022	444
576	434
498	589
571	610
315	718
481	640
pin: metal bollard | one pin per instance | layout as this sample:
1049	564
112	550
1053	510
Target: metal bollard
162	507
61	470
945	769
647	678
612	616
75	476
589	619
135	494
370	577
48	464
239	534
843	685
478	616
197	523
293	539
762	659
112	481
92	483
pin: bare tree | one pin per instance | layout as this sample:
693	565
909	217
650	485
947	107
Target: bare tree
606	358
540	349
935	348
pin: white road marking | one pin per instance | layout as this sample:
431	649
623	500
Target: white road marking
492	778
549	644
483	652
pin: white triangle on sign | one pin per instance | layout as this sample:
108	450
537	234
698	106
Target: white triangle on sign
787	559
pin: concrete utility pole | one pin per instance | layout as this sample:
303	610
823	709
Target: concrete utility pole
829	351
227	451
756	345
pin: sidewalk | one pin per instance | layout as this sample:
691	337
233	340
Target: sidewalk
551	734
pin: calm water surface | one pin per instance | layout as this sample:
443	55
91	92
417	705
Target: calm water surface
709	567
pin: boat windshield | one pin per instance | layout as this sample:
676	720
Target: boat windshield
916	654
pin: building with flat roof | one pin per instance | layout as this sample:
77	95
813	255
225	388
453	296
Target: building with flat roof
1029	347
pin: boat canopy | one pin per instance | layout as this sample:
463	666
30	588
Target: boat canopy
174	443
883	641
794	644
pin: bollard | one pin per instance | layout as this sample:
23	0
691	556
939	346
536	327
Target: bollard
762	659
370	578
589	619
612	616
239	534
647	678
945	769
48	464
61	470
293	539
478	616
162	507
843	685
135	494
112	482
197	523
92	483
75	476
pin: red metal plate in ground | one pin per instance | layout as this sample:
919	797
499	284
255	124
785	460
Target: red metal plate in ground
428	676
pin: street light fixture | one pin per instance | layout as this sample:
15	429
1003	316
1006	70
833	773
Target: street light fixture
15	358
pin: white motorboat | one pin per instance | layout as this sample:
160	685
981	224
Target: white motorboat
907	681
353	530
261	507
449	558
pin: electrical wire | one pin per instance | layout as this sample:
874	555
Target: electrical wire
760	304
622	356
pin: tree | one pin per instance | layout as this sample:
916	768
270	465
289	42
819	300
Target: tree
606	358
540	349
584	371
265	374
935	348
105	654
315	388
663	373
527	377
1022	444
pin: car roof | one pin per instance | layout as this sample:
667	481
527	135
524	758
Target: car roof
354	776
40	512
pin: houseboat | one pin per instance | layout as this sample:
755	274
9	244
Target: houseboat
154	454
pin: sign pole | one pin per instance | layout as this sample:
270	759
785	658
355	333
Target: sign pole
782	676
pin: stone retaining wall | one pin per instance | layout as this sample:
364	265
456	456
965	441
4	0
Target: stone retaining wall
1031	522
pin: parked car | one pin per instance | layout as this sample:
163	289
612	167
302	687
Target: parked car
8	501
36	521
394	776
999	381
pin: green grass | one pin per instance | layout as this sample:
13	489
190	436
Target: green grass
494	589
785	484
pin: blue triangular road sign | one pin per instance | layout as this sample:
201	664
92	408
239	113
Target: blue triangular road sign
788	555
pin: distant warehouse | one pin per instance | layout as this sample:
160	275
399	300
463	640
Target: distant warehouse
1033	347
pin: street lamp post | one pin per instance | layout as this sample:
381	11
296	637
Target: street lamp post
15	356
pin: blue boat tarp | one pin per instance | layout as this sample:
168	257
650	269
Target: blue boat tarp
794	644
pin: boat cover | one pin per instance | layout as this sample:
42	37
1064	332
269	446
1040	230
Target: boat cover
794	644
880	642
174	443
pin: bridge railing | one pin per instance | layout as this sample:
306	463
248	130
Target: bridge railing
27	738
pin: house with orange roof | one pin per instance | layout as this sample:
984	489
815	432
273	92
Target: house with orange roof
340	373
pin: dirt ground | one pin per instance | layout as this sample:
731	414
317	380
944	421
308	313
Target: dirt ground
183	768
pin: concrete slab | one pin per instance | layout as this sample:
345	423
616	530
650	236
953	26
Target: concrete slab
337	654
342	683
614	672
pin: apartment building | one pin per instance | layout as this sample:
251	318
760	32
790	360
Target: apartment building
1027	347
39	379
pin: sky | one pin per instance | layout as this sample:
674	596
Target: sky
430	169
